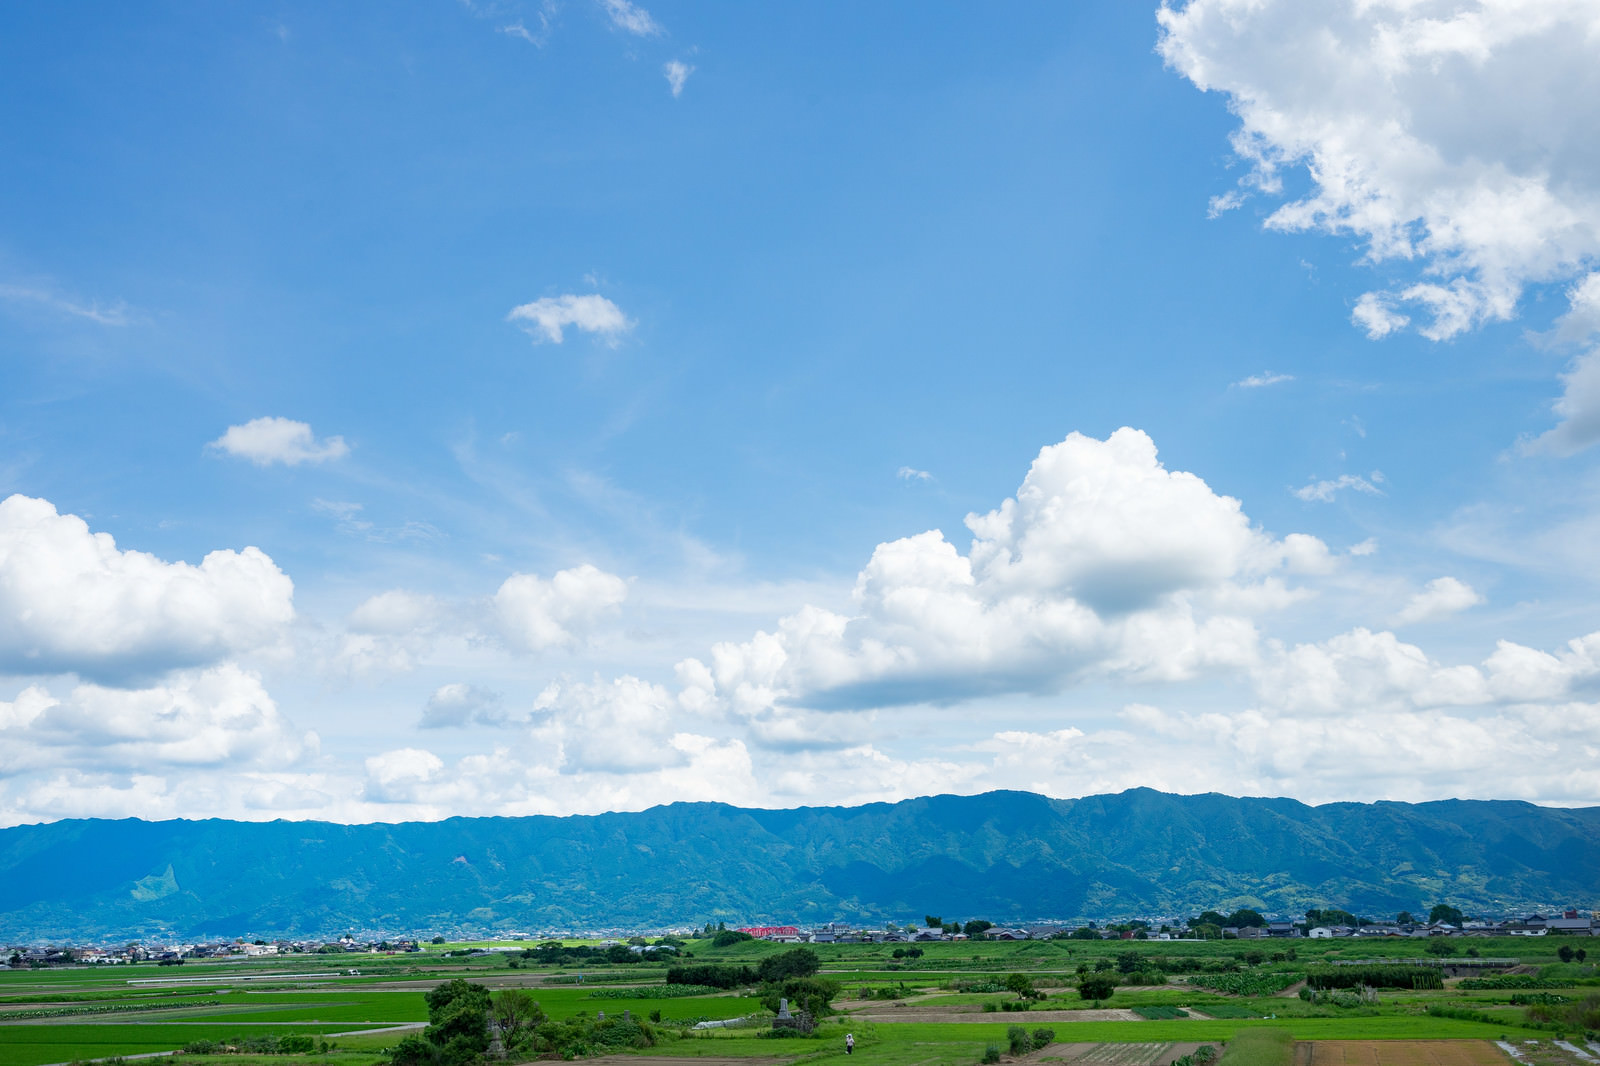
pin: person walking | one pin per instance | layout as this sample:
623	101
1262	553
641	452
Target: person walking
849	1043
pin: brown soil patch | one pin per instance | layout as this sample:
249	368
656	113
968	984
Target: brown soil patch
1403	1053
674	1060
1152	1054
1029	1018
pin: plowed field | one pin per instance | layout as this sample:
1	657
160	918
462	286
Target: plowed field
1400	1053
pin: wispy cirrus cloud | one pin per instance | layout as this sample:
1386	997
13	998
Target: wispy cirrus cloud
1325	491
631	18
1262	380
677	74
49	299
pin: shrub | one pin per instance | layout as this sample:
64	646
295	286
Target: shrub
723	977
801	962
991	1054
1017	1037
1043	1038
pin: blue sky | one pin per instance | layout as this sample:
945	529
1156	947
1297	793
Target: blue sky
496	407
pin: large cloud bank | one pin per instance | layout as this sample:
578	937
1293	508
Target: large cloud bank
1457	140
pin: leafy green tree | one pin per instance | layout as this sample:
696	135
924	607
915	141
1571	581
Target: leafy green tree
1566	953
1022	985
1212	918
1244	916
728	937
977	927
811	994
458	1022
1206	930
1083	932
799	962
1440	946
1097	987
932	922
516	1014
1129	961
1443	912
1405	918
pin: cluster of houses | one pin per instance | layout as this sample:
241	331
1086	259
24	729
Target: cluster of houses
27	957
1569	923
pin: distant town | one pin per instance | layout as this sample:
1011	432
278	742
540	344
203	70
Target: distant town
1244	924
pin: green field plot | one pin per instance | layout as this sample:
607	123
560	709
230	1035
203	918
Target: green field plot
34	1045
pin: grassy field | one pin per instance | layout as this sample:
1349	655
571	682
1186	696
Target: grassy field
937	1025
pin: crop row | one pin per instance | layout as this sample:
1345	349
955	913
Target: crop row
101	1008
653	992
1246	984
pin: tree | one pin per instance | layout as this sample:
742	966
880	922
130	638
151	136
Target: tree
1581	954
1405	918
1440	946
728	937
932	922
1022	985
799	962
976	927
811	994
515	1011
458	1022
1211	918
1129	961
1206	930
1097	987
1244	916
437	940
1083	932
1443	912
1566	953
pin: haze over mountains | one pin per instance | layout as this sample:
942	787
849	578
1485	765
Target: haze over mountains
1002	856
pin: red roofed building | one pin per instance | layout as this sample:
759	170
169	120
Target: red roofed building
768	932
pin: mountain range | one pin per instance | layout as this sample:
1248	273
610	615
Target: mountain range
1004	856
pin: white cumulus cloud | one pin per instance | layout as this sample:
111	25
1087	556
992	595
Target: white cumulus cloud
1457	139
72	601
534	613
1442	597
546	319
1104	565
264	441
219	716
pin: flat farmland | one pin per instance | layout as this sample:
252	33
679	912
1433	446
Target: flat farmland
1131	1054
35	1045
1400	1053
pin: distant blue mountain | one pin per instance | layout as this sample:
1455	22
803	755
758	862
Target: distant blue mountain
1004	856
